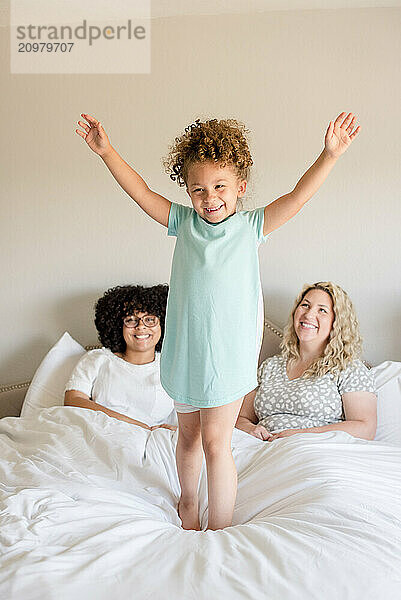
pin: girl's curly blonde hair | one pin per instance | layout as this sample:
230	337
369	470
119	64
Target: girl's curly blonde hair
344	344
219	141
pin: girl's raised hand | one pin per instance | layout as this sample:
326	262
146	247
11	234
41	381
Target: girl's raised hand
340	134
95	136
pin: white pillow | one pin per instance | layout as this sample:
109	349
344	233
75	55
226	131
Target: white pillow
48	383
388	381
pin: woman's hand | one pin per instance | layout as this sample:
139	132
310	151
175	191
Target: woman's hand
285	433
164	426
339	136
260	432
95	135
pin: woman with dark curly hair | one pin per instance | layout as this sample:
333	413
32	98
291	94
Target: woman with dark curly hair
122	379
213	325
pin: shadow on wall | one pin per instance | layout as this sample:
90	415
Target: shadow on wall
76	314
20	358
270	346
274	305
393	325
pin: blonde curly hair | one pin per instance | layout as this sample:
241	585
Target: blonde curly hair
344	344
222	141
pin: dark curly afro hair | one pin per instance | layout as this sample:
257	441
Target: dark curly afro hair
121	301
221	141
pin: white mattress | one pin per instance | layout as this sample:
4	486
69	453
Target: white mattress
88	511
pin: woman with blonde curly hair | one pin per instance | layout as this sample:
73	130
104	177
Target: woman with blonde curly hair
318	383
210	349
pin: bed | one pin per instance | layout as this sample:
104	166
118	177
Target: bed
88	507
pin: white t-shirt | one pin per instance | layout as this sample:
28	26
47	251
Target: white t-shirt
133	390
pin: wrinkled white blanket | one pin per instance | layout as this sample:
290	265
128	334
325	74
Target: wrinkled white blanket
88	511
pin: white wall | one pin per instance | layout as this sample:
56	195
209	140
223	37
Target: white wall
68	232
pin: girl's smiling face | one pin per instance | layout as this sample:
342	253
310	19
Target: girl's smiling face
314	317
214	190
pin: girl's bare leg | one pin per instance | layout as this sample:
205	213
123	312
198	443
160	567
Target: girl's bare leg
189	457
217	426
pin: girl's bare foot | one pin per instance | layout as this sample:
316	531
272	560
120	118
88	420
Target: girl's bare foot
189	515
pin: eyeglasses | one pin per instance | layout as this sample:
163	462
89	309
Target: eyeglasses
148	321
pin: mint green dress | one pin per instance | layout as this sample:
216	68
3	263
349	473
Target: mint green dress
210	348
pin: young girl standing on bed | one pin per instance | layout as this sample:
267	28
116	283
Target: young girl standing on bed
214	320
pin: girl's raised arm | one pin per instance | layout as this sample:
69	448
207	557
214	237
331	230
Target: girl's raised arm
153	204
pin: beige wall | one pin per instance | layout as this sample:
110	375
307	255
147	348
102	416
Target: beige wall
68	232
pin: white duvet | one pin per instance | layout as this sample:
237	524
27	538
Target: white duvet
88	510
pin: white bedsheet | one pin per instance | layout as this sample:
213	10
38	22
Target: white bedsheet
88	510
